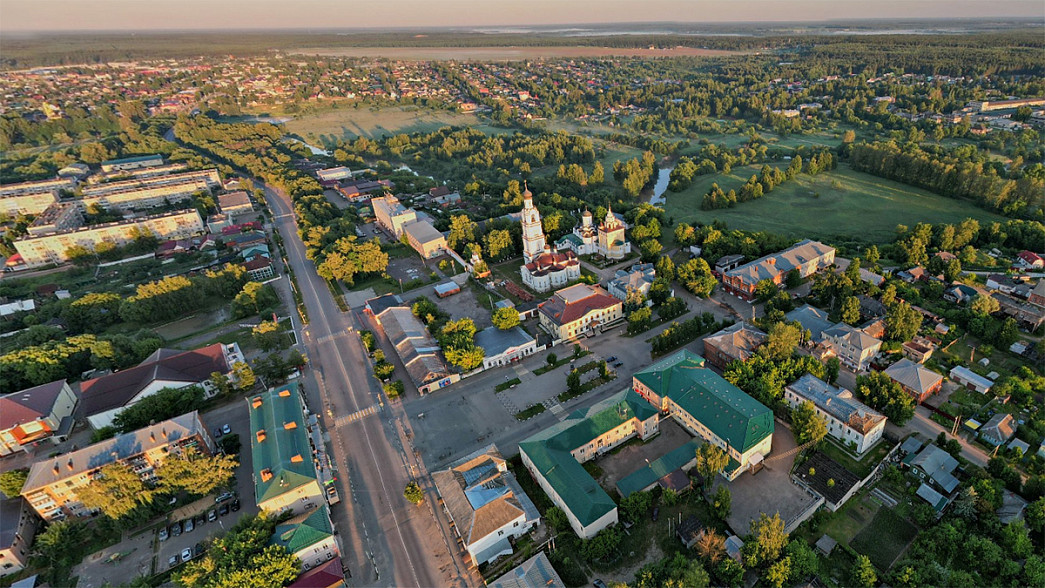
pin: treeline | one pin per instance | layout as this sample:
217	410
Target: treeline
177	296
717	239
768	179
635	174
956	174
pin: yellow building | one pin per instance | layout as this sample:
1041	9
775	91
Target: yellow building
579	310
392	215
28	203
427	241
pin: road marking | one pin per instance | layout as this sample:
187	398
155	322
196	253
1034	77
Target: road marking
558	411
351	418
329	337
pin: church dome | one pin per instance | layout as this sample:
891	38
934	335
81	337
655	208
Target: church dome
527	195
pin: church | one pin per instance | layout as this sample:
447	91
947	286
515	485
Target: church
543	269
606	240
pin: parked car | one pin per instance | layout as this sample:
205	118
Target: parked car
197	550
200	520
164	534
175	529
226	429
618	364
598	583
235	505
212	515
224	510
611	359
224	496
217	432
186	554
172	561
189	525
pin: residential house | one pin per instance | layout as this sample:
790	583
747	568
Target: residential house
579	310
914	274
709	407
536	572
418	350
308	536
17	529
1018	285
505	347
554	457
999	429
690	531
284	470
918	349
106	396
425	240
259	269
728	262
812	319
736	343
1028	260
917	380
970	379
485	503
854	348
34	414
934	465
129	163
807	257
638	279
961	293
50	488
1027	315
848	420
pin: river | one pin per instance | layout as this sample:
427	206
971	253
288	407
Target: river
315	150
661	187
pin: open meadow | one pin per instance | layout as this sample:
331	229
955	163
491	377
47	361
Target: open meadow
338	124
839	202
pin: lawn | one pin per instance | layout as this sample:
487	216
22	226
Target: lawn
334	125
847	522
840	202
885	538
862	467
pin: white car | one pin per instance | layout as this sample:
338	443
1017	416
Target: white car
226	429
186	554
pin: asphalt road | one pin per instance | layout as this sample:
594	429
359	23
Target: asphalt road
386	541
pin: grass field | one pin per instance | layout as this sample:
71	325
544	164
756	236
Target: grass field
348	123
840	202
885	538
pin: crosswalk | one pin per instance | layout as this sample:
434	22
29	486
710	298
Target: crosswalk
359	414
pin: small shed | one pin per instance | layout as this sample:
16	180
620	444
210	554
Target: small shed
447	289
826	545
690	531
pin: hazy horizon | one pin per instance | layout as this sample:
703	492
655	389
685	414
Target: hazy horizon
28	16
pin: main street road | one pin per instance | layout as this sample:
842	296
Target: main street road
386	540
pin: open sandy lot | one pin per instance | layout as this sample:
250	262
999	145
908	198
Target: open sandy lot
504	53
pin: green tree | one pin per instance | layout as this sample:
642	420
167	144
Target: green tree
12	481
498	244
505	318
768	536
635	506
551	359
781	341
809	427
778	573
557	519
195	473
413	492
267	335
573	380
793	279
863	574
902	322
850	313
164	404
220	382
881	392
665	268
984	304
804	561
722	502
710	461
394	389
462	231
242	557
115	490
833	366
730	572
348	257
765	290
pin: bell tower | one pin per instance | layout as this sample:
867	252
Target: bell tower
532	231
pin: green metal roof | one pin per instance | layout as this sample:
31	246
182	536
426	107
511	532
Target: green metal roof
303	530
723	408
284	450
648	475
549	450
570	237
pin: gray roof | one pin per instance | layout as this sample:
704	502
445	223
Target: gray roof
852	336
811	318
911	445
968	375
837	402
913	375
773	265
999	429
926	493
416	347
495	341
10	517
739	341
31	404
423	231
536	572
381	303
938	464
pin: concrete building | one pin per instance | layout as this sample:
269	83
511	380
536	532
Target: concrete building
638	279
709	407
425	240
31	203
812	319
554	457
579	310
806	256
334	174
52	247
918	349
309	537
195	180
17	529
970	379
57	217
736	343
854	348
418	350
107	396
52	186
848	420
284	470
504	347
32	415
391	215
137	174
536	572
328	575
917	380
51	486
485	503
127	163
606	240
235	203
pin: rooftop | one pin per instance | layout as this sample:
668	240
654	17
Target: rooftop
416	347
837	402
31	404
536	572
937	463
281	454
573	303
304	530
423	231
812	319
781	262
913	375
495	341
739	341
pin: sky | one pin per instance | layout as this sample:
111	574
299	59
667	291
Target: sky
144	15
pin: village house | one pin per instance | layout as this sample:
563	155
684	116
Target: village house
848	420
736	343
854	348
934	465
807	257
999	429
917	380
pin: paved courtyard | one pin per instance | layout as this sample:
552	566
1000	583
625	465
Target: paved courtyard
770	490
635	456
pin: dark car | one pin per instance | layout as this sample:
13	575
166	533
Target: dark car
197	550
175	529
618	364
235	505
598	583
224	510
611	359
200	520
224	496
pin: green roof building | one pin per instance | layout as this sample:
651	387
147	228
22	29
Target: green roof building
309	537
709	407
284	468
554	456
